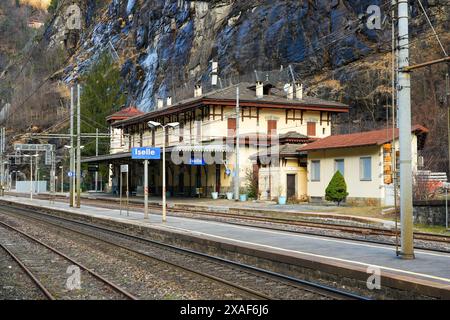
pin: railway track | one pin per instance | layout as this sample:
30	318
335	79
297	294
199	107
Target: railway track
29	273
38	265
258	283
353	229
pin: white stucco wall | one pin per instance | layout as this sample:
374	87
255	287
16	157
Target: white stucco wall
355	187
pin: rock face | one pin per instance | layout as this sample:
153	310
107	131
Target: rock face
165	46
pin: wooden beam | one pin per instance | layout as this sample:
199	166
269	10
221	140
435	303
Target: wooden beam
426	64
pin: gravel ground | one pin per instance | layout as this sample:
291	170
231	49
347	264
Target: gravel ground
270	286
15	284
420	244
145	278
51	269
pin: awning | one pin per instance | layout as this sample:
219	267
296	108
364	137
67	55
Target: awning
107	157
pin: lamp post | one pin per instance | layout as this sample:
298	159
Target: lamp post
153	124
62	178
31	174
72	176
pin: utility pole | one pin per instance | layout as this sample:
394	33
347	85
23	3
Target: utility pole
394	122
71	150
78	146
164	203
146	189
53	176
447	98
36	172
236	171
62	179
96	154
2	167
404	116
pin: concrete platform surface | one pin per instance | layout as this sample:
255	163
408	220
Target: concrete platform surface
257	207
431	267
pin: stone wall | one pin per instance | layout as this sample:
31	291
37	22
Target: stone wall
430	212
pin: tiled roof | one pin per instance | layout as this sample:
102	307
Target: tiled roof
376	137
125	113
247	95
292	135
284	150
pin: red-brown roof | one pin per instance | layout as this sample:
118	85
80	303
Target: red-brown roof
369	138
124	113
227	97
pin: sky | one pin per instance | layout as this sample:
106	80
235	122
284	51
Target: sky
41	4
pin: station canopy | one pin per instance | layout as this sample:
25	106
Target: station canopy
204	148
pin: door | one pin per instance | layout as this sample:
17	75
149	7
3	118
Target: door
290	186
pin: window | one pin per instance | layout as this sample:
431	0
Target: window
315	170
339	165
166	135
271	127
311	129
365	168
231	127
199	130
181	132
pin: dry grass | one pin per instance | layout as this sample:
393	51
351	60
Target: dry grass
40	4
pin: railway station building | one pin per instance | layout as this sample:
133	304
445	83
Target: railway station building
274	123
365	161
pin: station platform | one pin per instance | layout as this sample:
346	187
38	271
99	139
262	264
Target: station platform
428	273
260	208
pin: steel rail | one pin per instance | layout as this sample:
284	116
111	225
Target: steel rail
363	230
91	272
29	273
305	285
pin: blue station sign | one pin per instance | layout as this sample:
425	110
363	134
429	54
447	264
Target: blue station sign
146	153
197	162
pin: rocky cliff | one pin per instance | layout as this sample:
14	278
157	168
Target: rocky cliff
164	47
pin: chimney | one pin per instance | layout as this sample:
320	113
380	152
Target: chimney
214	72
169	101
259	89
290	91
299	91
160	103
198	92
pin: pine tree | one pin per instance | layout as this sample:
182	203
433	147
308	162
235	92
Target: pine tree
337	189
101	95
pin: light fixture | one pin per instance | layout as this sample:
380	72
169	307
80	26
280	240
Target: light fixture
153	124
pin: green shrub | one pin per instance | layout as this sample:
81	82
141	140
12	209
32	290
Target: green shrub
337	189
251	184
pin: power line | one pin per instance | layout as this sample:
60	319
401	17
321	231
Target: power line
432	28
28	59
